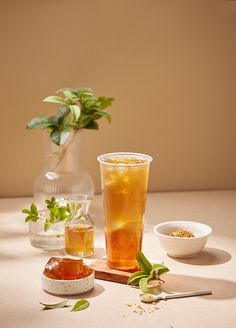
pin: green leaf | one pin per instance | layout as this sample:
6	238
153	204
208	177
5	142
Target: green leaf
60	137
28	218
68	94
75	111
33	209
159	272
108	117
135	277
82	92
40	123
34	217
62	114
157	266
51	202
56	305
64	215
46	226
104	102
143	262
80	305
84	119
26	211
97	116
62	90
98	113
54	213
93	125
55	99
89	102
143	284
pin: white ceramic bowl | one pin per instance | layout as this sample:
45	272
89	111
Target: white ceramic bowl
182	247
68	287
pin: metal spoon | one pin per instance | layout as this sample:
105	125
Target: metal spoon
149	298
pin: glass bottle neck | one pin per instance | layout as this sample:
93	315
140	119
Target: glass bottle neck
65	158
79	206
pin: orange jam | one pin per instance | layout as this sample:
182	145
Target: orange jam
66	269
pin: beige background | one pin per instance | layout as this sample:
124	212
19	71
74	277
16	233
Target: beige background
171	65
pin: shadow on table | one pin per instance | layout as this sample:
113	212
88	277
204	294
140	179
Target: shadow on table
96	291
210	256
13	234
4	257
99	252
221	289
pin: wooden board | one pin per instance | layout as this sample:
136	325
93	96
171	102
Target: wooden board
103	272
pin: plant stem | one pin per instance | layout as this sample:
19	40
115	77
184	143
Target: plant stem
64	150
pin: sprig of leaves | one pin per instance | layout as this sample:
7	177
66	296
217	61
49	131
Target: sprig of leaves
79	109
57	213
32	213
147	272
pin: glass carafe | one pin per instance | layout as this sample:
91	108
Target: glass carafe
63	175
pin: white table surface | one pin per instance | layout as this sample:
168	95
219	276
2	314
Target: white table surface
21	266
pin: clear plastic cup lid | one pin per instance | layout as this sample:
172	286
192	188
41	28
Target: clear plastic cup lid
124	159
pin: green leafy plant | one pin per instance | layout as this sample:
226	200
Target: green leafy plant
57	212
79	109
147	272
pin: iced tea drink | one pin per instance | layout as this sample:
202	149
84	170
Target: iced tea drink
124	183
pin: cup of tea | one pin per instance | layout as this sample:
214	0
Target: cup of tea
124	178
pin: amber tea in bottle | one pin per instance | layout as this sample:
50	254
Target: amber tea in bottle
79	231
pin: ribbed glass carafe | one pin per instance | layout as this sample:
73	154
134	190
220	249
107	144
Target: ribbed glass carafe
63	175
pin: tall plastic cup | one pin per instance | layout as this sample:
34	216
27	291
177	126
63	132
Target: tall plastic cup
124	178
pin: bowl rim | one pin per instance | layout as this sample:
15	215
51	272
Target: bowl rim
68	280
182	221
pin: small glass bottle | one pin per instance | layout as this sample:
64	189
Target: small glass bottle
79	230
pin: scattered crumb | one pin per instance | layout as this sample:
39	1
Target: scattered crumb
140	309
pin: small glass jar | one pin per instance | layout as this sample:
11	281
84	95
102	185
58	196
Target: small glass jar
52	239
79	230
